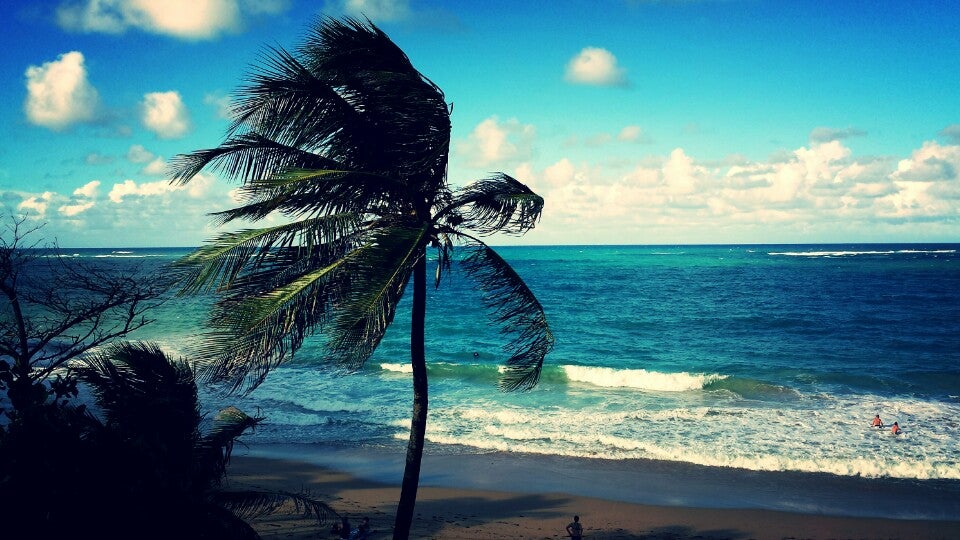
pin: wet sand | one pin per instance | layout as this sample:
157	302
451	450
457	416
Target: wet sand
454	503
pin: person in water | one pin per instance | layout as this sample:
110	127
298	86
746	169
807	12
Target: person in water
877	422
896	429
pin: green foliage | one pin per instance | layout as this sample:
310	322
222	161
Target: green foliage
139	466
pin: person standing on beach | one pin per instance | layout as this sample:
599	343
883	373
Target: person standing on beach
877	422
575	529
345	529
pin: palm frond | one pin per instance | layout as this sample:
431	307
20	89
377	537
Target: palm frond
137	384
517	311
209	518
218	264
499	204
246	157
377	281
263	319
369	70
381	116
254	503
214	448
315	191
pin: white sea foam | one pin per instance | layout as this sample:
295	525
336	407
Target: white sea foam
855	253
808	437
640	379
398	368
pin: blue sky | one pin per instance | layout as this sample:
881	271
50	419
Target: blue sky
640	122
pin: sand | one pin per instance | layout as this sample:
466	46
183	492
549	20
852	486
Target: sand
456	513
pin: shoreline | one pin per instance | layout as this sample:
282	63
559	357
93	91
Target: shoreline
662	483
469	512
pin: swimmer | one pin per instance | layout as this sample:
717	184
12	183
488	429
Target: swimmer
877	422
896	429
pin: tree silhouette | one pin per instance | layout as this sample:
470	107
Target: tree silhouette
347	141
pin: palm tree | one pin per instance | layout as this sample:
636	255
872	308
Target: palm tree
349	143
151	457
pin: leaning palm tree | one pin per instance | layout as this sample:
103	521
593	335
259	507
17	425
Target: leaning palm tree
349	143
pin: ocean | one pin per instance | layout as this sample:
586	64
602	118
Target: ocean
757	358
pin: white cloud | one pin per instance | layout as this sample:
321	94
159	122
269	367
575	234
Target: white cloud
201	186
931	163
595	66
186	19
157	167
88	190
375	10
147	189
680	175
72	210
138	154
496	143
130	213
165	114
560	173
816	193
59	94
37	203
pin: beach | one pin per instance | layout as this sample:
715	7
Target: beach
445	511
711	391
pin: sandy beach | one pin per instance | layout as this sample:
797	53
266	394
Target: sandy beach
459	513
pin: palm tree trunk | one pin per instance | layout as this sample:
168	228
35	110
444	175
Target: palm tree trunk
418	422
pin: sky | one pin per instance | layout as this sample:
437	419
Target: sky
638	121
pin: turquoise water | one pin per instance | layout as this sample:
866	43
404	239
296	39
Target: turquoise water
765	358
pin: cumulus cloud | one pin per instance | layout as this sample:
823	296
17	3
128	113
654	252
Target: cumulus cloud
157	167
59	94
165	114
37	204
75	209
680	175
595	66
129	213
88	190
493	142
818	192
83	199
560	173
931	163
147	189
185	19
